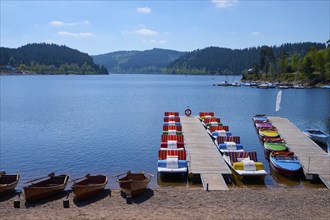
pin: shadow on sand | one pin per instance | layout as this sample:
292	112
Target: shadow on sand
10	195
100	196
147	194
61	195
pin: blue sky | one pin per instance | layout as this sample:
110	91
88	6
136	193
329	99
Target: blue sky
98	27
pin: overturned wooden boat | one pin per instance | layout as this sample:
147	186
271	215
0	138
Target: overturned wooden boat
89	186
285	163
45	188
8	182
133	184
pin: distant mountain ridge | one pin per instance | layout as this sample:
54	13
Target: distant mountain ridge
148	61
55	59
216	60
49	59
210	60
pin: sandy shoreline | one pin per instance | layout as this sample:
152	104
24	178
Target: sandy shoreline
183	203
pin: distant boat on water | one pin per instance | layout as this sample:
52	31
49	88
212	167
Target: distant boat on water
263	86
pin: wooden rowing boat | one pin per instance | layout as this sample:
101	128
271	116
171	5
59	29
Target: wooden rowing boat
8	182
133	184
45	188
89	186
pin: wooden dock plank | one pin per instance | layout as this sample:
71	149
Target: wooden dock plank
313	159
204	157
210	182
326	179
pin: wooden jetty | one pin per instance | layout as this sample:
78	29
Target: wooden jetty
314	160
204	158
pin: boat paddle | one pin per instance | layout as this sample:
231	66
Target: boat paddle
87	175
149	174
49	175
119	175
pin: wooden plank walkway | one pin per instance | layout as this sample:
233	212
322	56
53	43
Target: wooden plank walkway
314	160
204	157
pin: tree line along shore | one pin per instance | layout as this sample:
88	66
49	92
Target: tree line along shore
305	64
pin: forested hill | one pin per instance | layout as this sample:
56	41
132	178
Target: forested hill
148	61
50	59
216	60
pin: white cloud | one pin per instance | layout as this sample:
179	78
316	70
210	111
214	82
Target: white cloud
144	31
57	23
224	3
72	34
255	33
61	23
78	23
144	10
152	41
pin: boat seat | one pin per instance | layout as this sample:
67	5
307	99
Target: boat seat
172	162
223	139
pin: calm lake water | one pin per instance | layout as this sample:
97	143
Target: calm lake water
109	124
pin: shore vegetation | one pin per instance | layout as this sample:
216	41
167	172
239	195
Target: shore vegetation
47	59
311	69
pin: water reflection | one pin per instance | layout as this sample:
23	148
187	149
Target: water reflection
282	180
176	179
110	124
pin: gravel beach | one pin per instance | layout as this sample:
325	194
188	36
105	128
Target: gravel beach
181	203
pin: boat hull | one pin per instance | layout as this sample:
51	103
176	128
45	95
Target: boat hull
133	184
275	147
174	170
38	193
289	167
267	134
8	183
242	174
45	189
317	136
89	187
